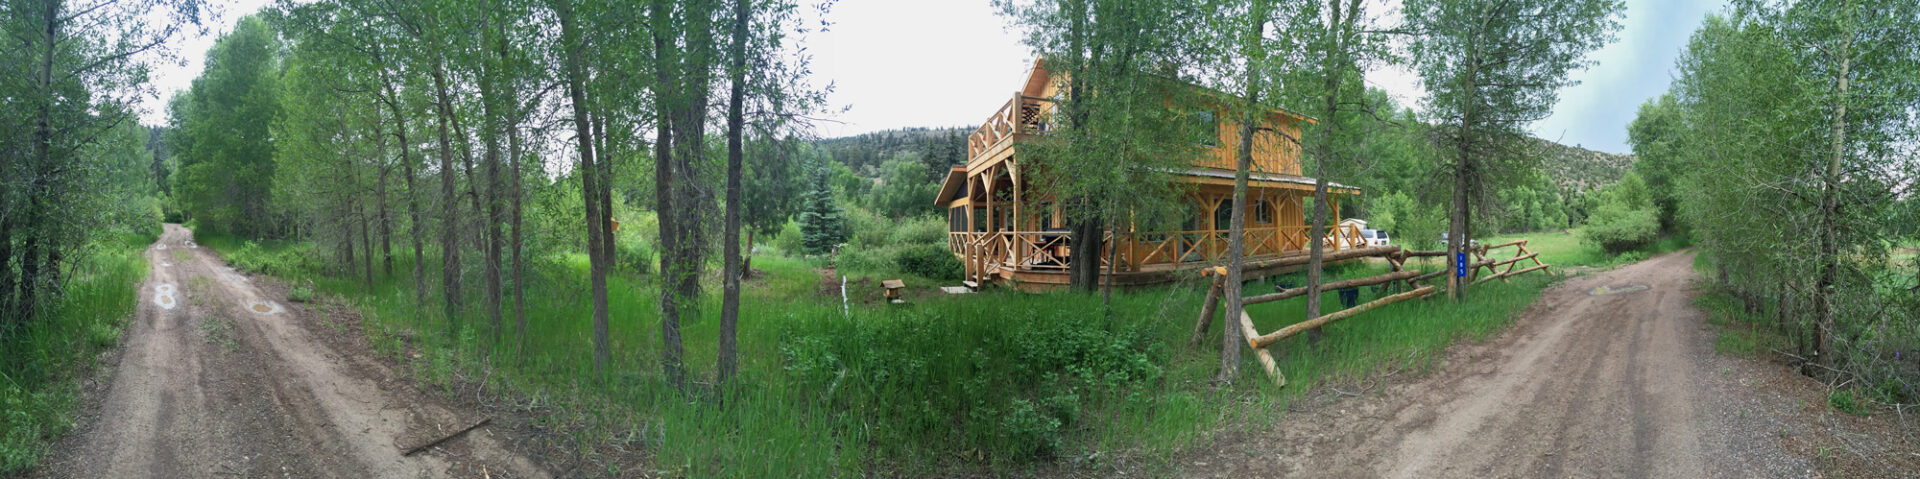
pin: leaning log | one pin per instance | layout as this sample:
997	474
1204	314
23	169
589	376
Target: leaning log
1206	310
1336	285
1515	259
1417	253
1506	244
1511	273
1266	358
1297	328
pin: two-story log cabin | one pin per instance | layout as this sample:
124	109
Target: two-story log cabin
998	237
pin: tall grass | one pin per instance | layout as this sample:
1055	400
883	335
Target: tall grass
998	380
40	383
1564	248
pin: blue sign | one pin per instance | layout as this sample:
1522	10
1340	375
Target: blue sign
1460	264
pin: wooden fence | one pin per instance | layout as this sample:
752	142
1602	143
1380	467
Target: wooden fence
1398	274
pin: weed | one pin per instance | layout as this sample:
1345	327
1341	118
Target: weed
219	330
300	294
1843	400
181	256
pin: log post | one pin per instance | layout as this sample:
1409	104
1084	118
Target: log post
1217	285
1266	358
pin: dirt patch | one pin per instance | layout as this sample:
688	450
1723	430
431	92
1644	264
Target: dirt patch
1584	385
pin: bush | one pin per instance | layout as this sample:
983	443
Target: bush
1616	228
634	256
789	240
930	261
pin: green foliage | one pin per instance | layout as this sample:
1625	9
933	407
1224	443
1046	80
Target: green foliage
823	225
904	190
929	261
45	362
222	137
1843	400
300	294
1625	218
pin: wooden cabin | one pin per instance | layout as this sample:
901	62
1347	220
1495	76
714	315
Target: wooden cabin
1003	232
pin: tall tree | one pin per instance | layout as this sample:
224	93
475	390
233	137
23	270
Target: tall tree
1491	68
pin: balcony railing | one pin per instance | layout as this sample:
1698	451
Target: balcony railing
987	253
1020	115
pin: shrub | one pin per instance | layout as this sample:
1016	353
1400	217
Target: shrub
300	294
634	256
1616	228
930	261
921	230
789	240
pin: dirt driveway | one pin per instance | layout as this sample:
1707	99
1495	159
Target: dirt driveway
1608	375
216	379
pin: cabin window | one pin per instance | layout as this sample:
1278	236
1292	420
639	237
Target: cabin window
979	220
1262	212
1223	214
1204	127
957	219
1046	216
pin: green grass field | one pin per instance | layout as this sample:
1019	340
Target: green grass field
1564	248
999	380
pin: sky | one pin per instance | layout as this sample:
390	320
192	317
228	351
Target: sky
938	63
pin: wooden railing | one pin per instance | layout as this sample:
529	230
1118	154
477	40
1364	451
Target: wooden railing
985	253
1022	114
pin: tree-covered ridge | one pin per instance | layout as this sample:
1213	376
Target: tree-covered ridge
1581	169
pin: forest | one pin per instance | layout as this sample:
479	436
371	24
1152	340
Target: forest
620	217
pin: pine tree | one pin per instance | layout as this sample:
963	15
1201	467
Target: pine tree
822	224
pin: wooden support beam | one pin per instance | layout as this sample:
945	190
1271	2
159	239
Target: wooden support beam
1266	358
1297	328
1336	285
1519	242
1417	253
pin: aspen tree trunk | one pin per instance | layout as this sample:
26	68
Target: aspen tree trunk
416	224
490	124
668	211
730	277
1829	216
380	196
449	206
1233	340
1317	230
589	182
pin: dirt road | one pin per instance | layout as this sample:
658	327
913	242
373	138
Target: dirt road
215	379
1608	375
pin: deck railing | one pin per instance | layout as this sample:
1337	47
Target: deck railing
987	253
1022	114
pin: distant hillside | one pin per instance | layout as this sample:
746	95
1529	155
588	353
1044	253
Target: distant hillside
864	153
1582	169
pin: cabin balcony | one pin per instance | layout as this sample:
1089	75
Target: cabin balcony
1042	258
1022	115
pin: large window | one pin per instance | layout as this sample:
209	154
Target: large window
1262	212
957	219
1223	214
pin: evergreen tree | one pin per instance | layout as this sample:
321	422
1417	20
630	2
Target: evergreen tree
822	223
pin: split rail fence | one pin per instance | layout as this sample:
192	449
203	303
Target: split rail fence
1398	278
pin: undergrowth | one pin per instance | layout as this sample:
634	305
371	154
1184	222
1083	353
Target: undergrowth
44	360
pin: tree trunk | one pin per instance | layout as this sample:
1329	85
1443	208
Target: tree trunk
380	197
1233	340
1829	217
449	207
491	122
1333	68
416	224
730	296
668	212
590	183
